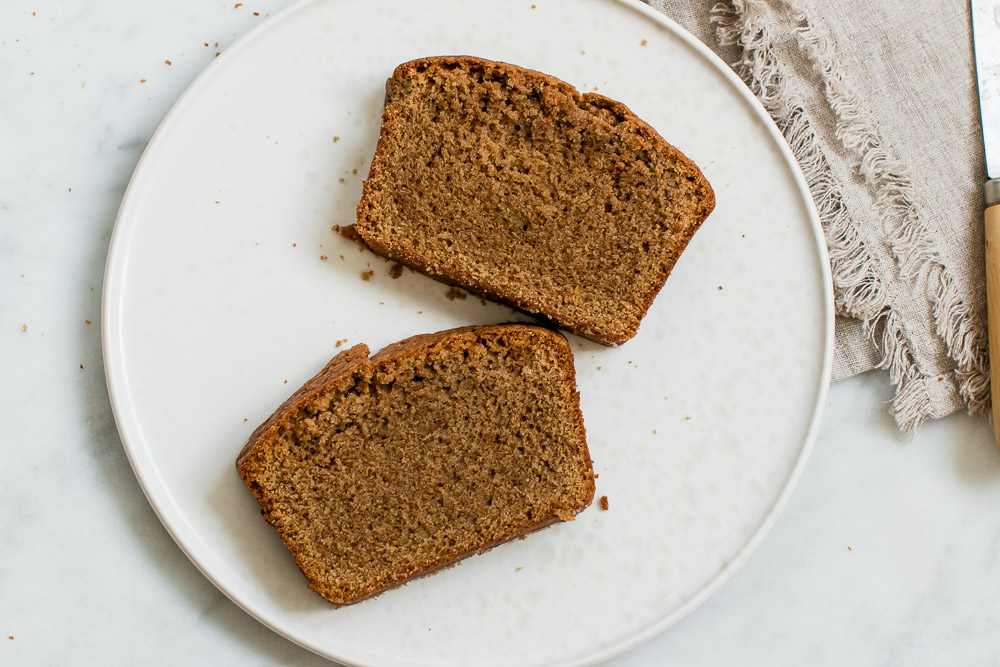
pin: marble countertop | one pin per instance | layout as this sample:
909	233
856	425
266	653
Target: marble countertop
885	554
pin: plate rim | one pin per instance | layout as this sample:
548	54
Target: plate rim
158	494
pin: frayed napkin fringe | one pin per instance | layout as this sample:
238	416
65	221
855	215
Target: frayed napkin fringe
860	291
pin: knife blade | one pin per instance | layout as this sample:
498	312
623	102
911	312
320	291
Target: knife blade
986	40
986	44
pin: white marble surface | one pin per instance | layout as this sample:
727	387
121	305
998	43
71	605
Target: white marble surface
886	553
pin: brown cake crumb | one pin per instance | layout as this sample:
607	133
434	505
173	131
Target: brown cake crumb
455	293
367	275
487	141
340	342
408	496
643	43
336	139
87	321
324	257
396	271
604	503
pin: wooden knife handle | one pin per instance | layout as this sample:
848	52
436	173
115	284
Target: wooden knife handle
993	309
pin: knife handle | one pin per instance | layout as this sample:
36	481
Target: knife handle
993	309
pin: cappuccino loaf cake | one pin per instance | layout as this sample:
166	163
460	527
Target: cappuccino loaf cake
389	467
510	184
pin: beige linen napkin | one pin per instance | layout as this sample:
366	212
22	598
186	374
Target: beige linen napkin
878	102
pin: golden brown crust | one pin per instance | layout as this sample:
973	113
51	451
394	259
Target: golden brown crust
495	292
491	292
341	370
339	366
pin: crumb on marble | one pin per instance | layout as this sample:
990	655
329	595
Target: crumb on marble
687	419
244	420
367	275
643	43
354	171
323	258
455	293
87	321
533	7
598	368
336	138
720	288
237	5
340	342
604	503
518	569
850	549
286	381
342	257
396	271
24	328
70	189
341	179
81	367
256	13
142	81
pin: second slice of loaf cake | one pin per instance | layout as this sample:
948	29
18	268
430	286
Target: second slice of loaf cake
380	470
511	184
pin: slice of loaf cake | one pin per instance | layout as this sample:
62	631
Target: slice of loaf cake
380	470
511	184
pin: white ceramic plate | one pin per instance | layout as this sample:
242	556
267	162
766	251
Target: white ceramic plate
218	302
